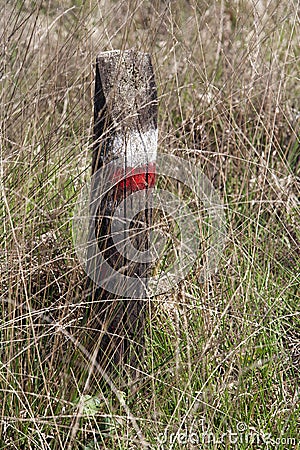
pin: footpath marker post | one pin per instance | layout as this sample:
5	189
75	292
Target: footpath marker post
125	131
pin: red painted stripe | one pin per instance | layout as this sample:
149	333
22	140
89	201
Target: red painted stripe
136	179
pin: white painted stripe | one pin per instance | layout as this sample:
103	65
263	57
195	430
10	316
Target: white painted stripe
138	148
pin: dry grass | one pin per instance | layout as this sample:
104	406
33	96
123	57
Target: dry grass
218	353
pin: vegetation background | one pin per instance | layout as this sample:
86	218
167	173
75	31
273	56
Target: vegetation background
221	356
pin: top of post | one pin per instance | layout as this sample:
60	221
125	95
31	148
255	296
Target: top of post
128	88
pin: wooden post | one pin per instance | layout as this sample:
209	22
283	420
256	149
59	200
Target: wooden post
125	129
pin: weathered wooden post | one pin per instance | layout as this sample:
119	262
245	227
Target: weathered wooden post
125	132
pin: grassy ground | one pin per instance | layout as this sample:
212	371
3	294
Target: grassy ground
222	357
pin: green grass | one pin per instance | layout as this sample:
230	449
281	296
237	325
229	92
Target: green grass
222	356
